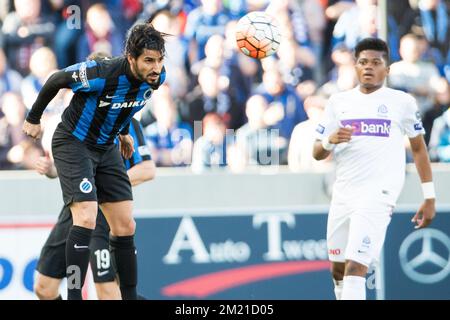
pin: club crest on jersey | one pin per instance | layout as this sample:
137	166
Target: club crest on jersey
418	115
85	186
382	111
369	127
148	93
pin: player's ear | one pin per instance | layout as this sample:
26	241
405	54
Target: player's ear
130	58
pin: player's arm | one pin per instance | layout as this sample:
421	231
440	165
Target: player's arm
126	142
329	132
142	172
413	128
45	165
55	82
81	77
144	168
427	210
323	148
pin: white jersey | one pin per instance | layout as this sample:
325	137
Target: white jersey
371	167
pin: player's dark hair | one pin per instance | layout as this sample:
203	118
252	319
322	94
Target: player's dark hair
144	36
372	44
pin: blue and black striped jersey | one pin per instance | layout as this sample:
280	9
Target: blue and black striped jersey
107	95
141	150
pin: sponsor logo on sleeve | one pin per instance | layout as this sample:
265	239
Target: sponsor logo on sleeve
418	126
83	75
144	151
320	129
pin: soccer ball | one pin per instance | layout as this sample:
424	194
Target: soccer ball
258	35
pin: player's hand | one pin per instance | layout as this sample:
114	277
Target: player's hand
341	135
44	165
126	143
32	130
425	214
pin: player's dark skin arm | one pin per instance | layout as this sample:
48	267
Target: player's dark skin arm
339	136
319	153
427	210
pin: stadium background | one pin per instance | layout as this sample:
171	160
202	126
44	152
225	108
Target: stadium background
244	220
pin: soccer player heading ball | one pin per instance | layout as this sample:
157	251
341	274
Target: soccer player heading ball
365	129
107	95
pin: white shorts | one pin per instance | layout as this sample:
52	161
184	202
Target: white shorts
357	233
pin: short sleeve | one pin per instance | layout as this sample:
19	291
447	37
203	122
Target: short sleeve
84	77
328	123
412	121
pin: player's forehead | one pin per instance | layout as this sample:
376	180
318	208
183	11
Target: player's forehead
370	55
151	54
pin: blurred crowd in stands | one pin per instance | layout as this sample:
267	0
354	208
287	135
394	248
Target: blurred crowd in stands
219	107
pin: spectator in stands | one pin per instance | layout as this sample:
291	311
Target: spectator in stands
100	34
296	63
414	75
400	19
10	80
302	139
175	61
42	65
210	150
316	23
345	80
256	141
25	30
170	140
333	10
237	75
439	145
67	32
286	107
214	54
441	104
16	150
291	20
356	23
202	23
206	97
435	23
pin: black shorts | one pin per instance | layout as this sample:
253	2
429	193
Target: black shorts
89	173
52	261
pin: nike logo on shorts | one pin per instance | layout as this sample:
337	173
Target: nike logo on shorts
80	247
102	273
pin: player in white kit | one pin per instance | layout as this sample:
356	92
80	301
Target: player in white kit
365	129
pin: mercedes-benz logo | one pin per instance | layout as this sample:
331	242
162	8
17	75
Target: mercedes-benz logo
427	255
